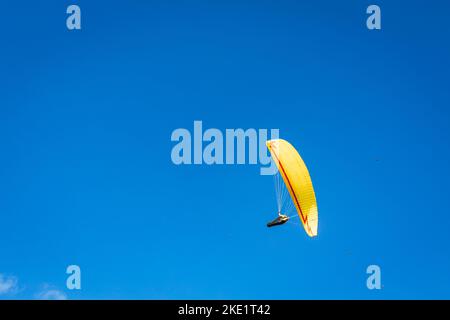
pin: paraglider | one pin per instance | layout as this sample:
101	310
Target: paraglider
295	179
281	219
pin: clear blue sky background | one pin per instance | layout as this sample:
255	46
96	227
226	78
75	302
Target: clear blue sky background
86	176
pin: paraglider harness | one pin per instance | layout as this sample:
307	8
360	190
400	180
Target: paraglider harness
281	219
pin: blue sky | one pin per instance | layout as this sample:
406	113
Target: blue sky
86	176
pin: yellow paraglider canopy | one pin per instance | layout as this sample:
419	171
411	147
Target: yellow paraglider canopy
298	182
